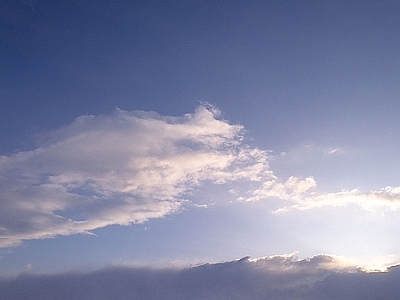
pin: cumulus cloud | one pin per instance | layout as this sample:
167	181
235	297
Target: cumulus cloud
129	167
122	168
280	277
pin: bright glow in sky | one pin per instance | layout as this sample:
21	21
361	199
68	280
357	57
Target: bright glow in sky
170	133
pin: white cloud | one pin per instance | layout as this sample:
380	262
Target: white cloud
302	193
387	198
292	190
129	167
123	168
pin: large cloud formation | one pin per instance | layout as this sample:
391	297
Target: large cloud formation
322	277
129	167
123	168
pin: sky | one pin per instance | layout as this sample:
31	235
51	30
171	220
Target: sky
168	136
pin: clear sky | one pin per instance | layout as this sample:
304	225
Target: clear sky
170	133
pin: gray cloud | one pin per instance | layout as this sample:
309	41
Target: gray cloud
278	277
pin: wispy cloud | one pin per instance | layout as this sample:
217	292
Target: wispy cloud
300	193
303	193
386	198
122	168
129	167
278	277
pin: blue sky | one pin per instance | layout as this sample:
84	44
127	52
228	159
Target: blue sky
171	133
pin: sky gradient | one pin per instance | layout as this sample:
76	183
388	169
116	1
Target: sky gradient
167	134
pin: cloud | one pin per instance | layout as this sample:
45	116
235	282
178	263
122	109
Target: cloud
280	277
292	190
386	198
129	167
123	168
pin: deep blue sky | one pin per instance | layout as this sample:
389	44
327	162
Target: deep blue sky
318	65
315	83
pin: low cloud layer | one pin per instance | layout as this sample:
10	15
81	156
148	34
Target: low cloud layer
129	167
284	277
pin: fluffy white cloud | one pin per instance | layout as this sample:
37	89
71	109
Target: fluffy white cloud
122	168
129	167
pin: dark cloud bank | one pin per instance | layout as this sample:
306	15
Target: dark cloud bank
279	277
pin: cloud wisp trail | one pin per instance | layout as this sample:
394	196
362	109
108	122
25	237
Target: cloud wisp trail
129	167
